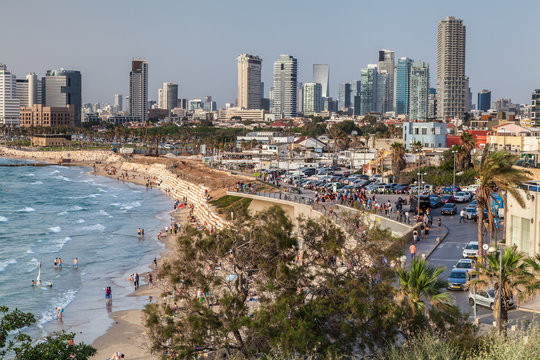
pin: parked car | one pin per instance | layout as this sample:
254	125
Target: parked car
486	298
449	209
450	189
471	213
435	202
457	279
401	189
470	251
448	199
467	264
462	196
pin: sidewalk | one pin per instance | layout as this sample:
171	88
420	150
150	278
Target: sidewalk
533	305
424	248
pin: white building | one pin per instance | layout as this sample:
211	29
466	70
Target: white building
138	89
9	104
418	93
284	95
249	82
312	98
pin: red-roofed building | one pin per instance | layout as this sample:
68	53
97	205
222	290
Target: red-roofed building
278	124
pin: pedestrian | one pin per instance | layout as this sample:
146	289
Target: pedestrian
155	263
462	214
76	263
59	312
415	236
422	232
60	263
136	281
403	261
412	251
440	223
150	281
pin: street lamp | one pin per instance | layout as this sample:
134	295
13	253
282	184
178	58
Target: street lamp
492	250
454	187
418	191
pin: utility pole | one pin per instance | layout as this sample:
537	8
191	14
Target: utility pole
454	187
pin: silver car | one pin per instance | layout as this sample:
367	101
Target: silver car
486	298
470	251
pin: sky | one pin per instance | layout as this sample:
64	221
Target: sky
195	43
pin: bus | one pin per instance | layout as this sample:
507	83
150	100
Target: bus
424	204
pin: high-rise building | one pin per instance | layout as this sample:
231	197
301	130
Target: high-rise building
118	106
62	88
312	98
138	89
299	97
249	82
484	100
284	96
386	63
452	84
402	86
382	93
368	90
9	104
355	92
419	90
535	117
29	90
344	96
209	104
168	96
321	75
432	103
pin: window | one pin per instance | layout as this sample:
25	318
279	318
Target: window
416	131
515	230
424	131
525	234
432	131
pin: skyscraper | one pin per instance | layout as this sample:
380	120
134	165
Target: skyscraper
62	88
312	98
9	104
368	90
138	89
285	91
402	85
386	63
355	92
535	107
168	96
344	96
28	90
484	100
118	106
382	93
419	90
452	84
249	82
321	75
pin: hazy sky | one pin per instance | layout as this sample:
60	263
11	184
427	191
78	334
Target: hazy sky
195	43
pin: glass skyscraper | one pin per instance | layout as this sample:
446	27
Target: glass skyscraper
61	88
312	98
484	100
419	90
382	87
386	64
285	91
344	96
402	85
321	75
368	89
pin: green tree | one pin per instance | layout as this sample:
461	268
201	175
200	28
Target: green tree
398	161
495	173
467	145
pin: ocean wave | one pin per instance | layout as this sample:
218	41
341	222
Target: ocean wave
104	213
80	221
54	172
102	190
63	301
75	208
97	227
29	175
131	205
3	219
57	244
34	265
55	229
29	251
37	183
63	213
26	209
5	264
65	178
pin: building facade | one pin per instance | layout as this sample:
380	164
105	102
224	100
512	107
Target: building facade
535	116
312	98
285	90
9	104
168	96
29	90
138	90
430	134
368	90
321	75
250	91
62	88
118	106
382	93
344	96
386	64
452	84
419	89
484	100
523	229
47	116
402	86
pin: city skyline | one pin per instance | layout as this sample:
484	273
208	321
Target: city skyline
199	72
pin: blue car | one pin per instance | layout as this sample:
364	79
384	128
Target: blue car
435	202
458	279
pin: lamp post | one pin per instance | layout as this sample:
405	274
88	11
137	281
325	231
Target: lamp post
454	187
420	175
493	249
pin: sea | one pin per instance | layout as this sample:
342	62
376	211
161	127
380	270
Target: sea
66	212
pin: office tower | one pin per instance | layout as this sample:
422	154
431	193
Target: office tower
419	90
368	90
321	75
432	103
249	82
402	86
168	96
118	106
299	97
386	63
452	87
312	98
209	104
535	117
382	87
284	96
484	100
138	89
344	96
329	104
9	104
355	91
28	89
62	88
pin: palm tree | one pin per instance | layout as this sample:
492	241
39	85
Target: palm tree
495	172
467	144
337	135
398	163
420	287
516	282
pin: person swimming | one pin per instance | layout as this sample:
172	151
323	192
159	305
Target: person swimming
76	263
60	263
50	284
33	283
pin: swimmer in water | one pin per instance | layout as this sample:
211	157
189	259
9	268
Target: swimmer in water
33	283
55	263
76	263
50	284
60	263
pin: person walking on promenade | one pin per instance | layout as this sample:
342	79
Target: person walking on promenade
462	214
440	223
150	281
412	251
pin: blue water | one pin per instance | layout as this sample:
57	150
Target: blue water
55	211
